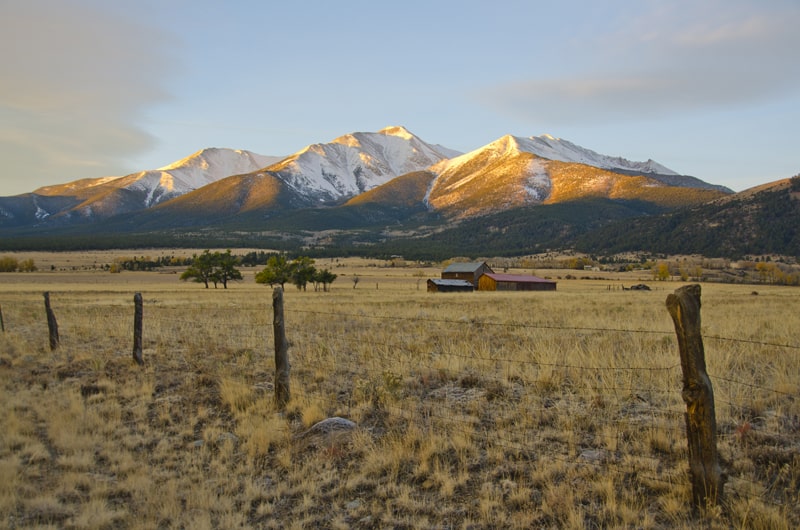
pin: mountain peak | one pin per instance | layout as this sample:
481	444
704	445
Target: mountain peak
181	162
211	155
397	130
506	144
356	162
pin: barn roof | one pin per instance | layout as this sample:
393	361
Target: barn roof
452	283
465	267
517	278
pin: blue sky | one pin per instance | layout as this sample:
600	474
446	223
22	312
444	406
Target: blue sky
94	88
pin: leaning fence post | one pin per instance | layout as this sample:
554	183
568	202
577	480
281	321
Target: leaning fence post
52	324
2	324
281	350
137	328
701	424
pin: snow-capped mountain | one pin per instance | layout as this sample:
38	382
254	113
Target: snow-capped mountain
513	171
320	173
553	148
405	172
355	163
92	199
199	169
194	171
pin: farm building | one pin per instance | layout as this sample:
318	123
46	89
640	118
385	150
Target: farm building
514	282
466	271
450	286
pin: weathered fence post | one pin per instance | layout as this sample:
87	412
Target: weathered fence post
52	324
281	350
138	313
2	324
701	424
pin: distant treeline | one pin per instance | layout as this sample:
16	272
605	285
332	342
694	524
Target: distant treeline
761	224
147	263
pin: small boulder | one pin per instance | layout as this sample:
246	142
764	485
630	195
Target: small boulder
595	456
328	432
328	426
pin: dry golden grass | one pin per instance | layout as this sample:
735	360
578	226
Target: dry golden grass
482	410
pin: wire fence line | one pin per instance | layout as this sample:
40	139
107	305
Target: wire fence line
417	368
667	419
544	327
252	322
473	356
340	343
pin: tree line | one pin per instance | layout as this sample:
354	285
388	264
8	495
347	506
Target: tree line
221	267
146	263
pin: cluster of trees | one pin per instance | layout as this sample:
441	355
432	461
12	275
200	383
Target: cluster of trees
11	264
213	267
220	268
255	257
299	272
146	263
577	263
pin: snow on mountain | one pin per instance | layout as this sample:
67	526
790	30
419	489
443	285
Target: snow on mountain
108	196
446	151
498	175
488	160
508	172
513	171
554	148
195	171
355	163
219	161
538	182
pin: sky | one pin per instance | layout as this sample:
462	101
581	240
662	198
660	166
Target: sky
93	88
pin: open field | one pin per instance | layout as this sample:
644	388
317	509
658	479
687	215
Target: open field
478	410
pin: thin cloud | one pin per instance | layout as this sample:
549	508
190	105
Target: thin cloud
76	80
668	62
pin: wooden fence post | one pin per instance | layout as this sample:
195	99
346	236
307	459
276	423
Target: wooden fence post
52	324
137	328
2	324
701	424
281	350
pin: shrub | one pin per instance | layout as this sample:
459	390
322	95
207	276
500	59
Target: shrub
8	264
27	265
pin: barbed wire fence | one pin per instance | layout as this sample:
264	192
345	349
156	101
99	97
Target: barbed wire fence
589	410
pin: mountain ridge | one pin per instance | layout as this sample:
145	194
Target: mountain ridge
355	163
385	182
86	200
761	220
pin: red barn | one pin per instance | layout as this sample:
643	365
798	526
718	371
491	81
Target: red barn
514	282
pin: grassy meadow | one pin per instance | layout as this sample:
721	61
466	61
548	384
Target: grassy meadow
479	410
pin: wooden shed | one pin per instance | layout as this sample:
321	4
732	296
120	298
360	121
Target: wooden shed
450	286
514	282
466	271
